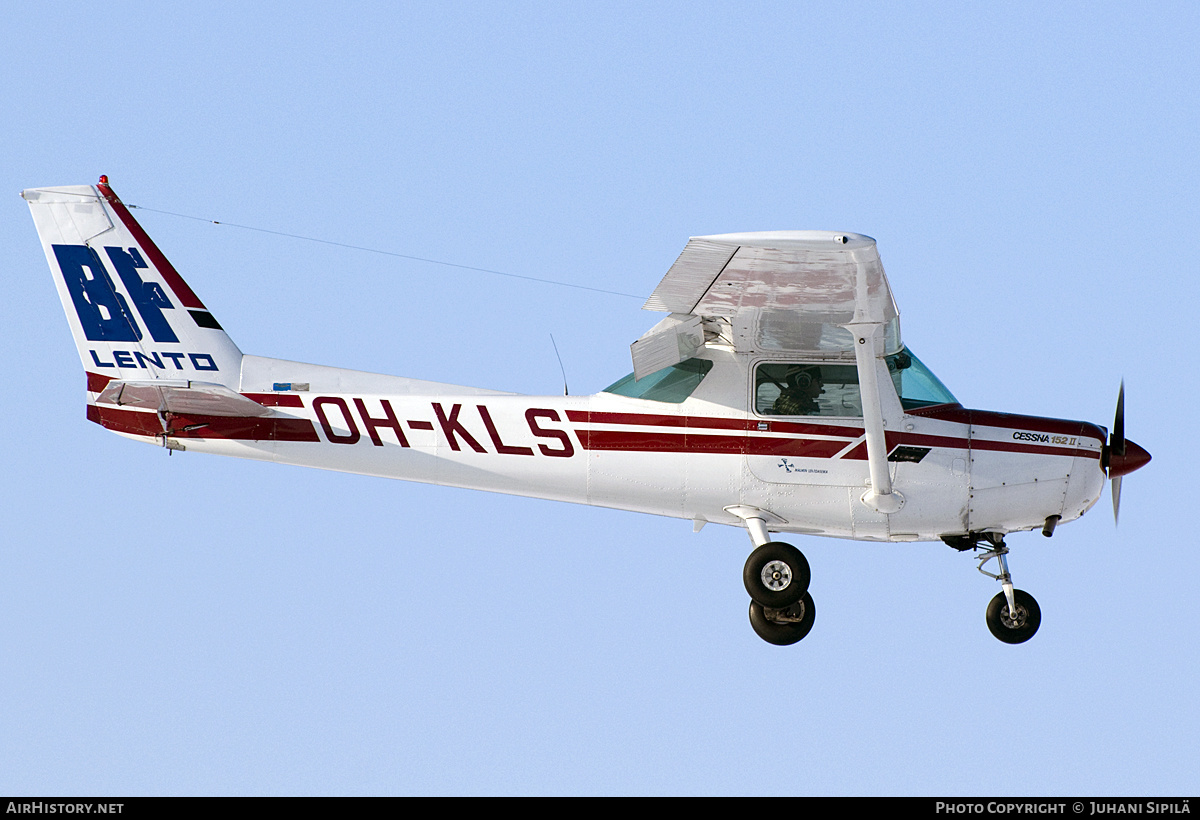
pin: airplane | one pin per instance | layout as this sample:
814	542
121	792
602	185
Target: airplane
776	396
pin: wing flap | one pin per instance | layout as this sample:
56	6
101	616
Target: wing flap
669	342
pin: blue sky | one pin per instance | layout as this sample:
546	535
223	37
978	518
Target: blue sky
196	625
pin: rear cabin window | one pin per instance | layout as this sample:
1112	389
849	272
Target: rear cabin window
671	384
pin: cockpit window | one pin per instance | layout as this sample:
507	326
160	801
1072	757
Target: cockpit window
671	384
806	389
915	383
819	389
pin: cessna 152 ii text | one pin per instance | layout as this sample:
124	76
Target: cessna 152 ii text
777	396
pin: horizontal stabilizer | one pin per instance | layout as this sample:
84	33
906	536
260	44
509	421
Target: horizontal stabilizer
182	398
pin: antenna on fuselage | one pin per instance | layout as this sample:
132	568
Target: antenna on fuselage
560	366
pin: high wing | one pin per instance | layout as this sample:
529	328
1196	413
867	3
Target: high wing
789	291
805	293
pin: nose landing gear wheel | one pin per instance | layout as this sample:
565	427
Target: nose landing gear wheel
786	626
1019	625
776	575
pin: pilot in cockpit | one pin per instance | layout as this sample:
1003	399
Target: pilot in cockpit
799	398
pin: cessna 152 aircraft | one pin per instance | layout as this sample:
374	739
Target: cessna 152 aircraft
777	396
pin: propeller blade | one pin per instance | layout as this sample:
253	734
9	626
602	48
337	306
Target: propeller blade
1116	449
1121	457
1116	441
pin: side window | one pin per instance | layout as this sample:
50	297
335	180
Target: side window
806	389
671	384
915	384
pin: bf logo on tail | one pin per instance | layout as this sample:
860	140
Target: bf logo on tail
103	312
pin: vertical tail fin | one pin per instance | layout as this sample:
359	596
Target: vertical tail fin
133	316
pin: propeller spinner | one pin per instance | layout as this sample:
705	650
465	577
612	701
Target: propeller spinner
1121	456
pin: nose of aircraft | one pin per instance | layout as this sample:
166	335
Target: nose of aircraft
1126	462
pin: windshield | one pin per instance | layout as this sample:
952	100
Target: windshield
671	384
915	383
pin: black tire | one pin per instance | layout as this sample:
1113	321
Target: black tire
1020	628
786	575
784	633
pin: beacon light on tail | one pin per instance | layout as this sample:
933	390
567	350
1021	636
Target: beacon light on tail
777	396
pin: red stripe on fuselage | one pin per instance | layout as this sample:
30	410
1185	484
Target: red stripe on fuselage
1011	422
713	423
859	453
632	440
276	399
160	262
1037	449
698	442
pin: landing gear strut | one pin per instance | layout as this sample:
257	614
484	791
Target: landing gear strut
1013	615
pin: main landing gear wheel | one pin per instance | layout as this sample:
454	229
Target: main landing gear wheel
786	626
1019	625
776	575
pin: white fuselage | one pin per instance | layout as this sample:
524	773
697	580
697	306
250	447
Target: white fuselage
958	471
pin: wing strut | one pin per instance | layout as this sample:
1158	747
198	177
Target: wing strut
881	497
868	347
